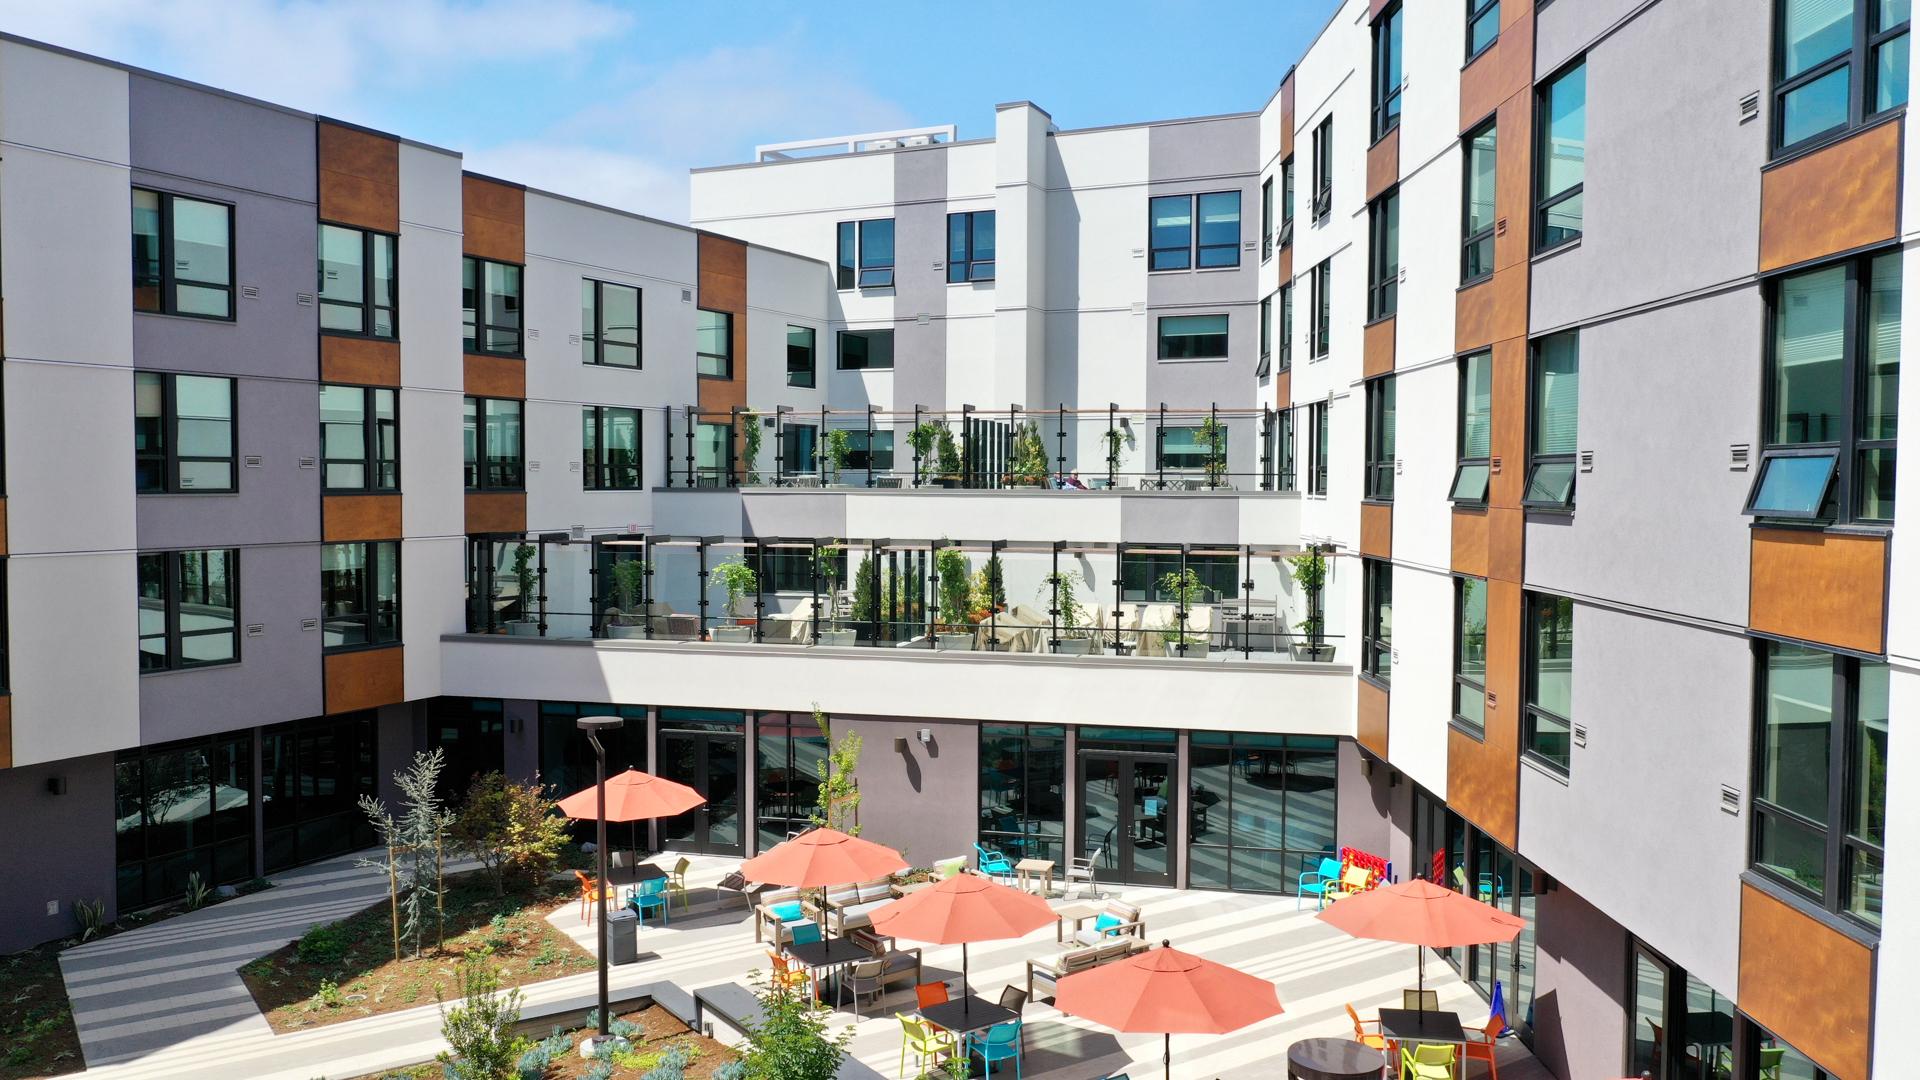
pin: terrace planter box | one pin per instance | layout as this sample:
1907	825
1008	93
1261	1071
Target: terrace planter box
953	642
839	638
734	635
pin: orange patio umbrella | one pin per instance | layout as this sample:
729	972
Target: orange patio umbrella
962	909
1170	993
821	857
633	796
1424	915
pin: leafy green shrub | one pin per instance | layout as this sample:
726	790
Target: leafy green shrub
534	1063
626	1029
672	1066
511	830
323	944
732	1070
479	1032
600	1070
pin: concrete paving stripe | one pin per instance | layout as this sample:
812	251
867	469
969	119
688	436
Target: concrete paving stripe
160	969
177	993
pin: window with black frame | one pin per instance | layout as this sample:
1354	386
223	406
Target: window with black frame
183	433
359	438
1263	809
180	809
609	324
713	343
1474	430
790	753
1188	448
1283	444
1141	573
1266	338
790	570
1381	437
1286	201
182	256
312	775
1323	169
1286	327
865	350
800	359
1320	331
1193	337
490	306
1548	734
1383	255
1376	650
1189	231
189	608
1317	448
1470	654
864	258
1831	393
1839	63
1560	158
472	734
1820	777
1554	420
610	448
1023	777
1483	26
567	761
1266	219
359	594
358	291
1387	64
1479	210
970	247
494	444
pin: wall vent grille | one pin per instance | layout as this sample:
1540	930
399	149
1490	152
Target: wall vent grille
249	292
309	624
304	299
1750	107
251	461
1738	456
1729	800
1586	461
1580	735
686	296
309	463
255	629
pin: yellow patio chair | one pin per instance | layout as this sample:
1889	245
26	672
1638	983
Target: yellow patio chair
927	1042
1357	879
1427	1061
677	884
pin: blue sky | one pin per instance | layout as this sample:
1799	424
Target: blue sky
615	101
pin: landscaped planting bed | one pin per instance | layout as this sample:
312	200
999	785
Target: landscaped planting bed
659	1032
37	1037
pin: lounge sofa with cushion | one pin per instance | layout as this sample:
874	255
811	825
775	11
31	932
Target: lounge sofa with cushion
1045	973
849	907
1119	919
774	912
902	965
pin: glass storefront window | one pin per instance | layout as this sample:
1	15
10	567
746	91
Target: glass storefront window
566	757
472	732
312	775
791	750
1262	809
1023	775
180	809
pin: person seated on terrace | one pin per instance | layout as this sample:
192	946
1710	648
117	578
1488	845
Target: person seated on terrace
1069	482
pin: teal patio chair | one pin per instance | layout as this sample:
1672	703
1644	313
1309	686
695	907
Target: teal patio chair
650	894
993	863
805	933
1314	882
1002	1041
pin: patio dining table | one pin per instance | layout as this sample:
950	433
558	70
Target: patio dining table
828	954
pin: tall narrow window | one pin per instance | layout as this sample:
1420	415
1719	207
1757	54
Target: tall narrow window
490	306
866	350
1286	201
357	285
1555	419
1560	158
189	608
183	433
495	450
970	247
1193	337
865	256
800	359
609	448
1317	447
1376	651
1470	654
847	254
1286	327
1219	213
1483	25
359	594
1478	213
182	255
1383	256
1387	62
713	342
1838	63
1170	223
1320	333
1549	722
1266	219
1323	169
609	324
359	438
1380	438
1284	450
1475	446
1266	337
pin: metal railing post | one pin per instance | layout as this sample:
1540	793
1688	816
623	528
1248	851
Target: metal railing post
646	585
1160	450
870	409
693	424
1213	426
913	440
1112	443
1246	608
1060	453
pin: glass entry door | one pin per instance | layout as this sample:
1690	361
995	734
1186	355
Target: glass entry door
1127	812
709	762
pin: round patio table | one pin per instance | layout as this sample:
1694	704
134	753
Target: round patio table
1333	1059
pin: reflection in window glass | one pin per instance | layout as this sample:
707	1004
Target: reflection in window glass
1809	387
1193	337
1561	165
1262	810
1470	653
1022	790
1171	227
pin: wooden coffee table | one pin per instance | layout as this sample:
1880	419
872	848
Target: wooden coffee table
1027	868
1079	912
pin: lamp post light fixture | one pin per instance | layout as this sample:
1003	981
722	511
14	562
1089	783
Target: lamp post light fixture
593	726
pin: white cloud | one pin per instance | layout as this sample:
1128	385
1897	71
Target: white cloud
609	177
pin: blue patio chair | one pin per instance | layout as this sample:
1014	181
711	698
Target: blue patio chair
1314	882
805	933
993	863
650	894
1002	1041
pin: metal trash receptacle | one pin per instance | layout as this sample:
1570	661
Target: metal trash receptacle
623	929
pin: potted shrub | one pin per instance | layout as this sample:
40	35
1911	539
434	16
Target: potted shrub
826	567
527	580
1116	441
839	448
1196	644
933	444
738	579
989	593
1212	438
1028	467
1184	588
1309	569
750	450
949	453
625	619
955	631
1076	638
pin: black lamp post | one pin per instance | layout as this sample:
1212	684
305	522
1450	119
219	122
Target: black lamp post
593	726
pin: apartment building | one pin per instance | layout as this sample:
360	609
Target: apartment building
1561	338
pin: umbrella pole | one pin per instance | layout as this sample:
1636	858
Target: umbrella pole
965	1005
1420	957
1166	1055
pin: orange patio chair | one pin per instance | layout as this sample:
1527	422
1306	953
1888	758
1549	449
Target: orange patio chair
589	899
788	976
1481	1045
1389	1047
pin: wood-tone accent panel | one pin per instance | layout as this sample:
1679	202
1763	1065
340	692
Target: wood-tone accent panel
722	281
1828	588
1513	181
496	511
1505	69
1493	310
1469	542
1483	775
1507	478
1843	197
1376	530
1286	120
1286	262
1370	718
1376	353
3	526
1376	7
363	361
359	517
495	376
1383	164
1512	10
1806	982
6	731
494	217
359	175
365	679
1282	399
1506	543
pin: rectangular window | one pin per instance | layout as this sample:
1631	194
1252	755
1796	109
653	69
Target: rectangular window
1142	572
1387	62
1560	158
495	446
1317	448
870	451
360	594
1470	654
800	363
1193	337
1186	448
865	256
1475	439
490	307
1839	63
183	433
1320	334
609	324
970	247
1483	26
1554	416
1380	438
609	448
1178	245
359	438
1323	169
178	810
1286	201
182	255
1478	212
1266	219
1376	650
713	341
1266	338
1023	775
1383	255
864	350
1549	720
1286	327
1832	390
1283	442
358	292
713	454
1820	776
189	608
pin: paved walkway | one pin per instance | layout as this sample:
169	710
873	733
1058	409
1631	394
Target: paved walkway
165	1002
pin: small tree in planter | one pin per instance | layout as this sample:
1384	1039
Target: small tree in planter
1212	438
1116	441
527	580
1029	462
790	1041
949	452
510	830
416	843
1186	589
738	579
751	445
989	590
1309	569
839	448
624	618
876	599
839	789
956	590
1057	591
479	1031
925	439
